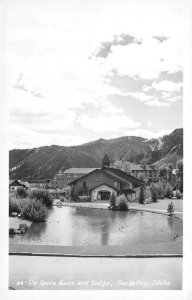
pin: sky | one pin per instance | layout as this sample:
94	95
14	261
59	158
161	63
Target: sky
77	71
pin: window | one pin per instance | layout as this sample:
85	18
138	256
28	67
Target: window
115	183
84	185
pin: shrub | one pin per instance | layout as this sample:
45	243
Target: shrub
160	191
142	195
122	203
68	193
170	209
14	205
147	195
21	192
112	201
43	195
62	198
11	230
154	194
34	210
84	198
178	194
169	191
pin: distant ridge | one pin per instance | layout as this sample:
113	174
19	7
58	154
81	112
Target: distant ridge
44	162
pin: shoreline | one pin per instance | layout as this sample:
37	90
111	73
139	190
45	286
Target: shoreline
99	205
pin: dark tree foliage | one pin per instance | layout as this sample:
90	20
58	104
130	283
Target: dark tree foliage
155	156
113	202
180	176
21	192
42	195
106	161
154	193
142	195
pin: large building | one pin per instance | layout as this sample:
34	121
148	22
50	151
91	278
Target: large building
149	171
62	178
101	183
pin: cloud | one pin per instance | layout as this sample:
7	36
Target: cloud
31	139
166	85
49	57
33	114
169	92
111	123
122	39
140	96
36	94
161	38
145	61
23	86
107	107
148	134
157	103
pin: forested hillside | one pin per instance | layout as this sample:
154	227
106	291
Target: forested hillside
44	162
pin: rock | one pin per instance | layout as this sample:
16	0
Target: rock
14	214
23	227
17	231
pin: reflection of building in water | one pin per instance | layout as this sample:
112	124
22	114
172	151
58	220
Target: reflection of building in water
105	231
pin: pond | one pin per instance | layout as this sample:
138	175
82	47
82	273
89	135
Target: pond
74	226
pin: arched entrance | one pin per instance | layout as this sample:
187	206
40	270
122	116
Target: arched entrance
103	195
102	192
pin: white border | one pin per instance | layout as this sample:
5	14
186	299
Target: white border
186	293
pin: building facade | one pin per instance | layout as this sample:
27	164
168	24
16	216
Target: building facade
101	183
149	171
63	178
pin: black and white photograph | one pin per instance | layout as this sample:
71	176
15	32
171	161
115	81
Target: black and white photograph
94	92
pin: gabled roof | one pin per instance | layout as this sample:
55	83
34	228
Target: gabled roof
25	183
84	176
114	173
11	181
123	176
14	180
22	183
79	170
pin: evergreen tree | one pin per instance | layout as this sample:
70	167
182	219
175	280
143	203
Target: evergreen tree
154	194
113	203
142	195
180	176
106	161
168	191
170	209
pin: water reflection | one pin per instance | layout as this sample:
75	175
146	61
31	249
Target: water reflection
105	231
35	231
170	222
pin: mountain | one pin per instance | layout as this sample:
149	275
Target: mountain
44	162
